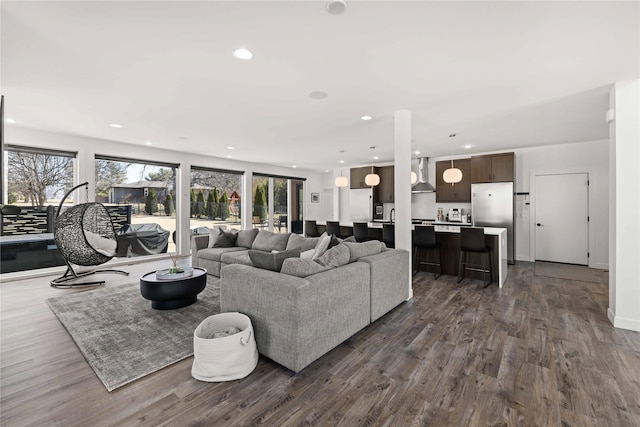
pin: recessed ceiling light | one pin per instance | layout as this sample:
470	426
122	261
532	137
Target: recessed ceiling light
294	166
229	156
115	125
417	152
149	143
10	121
366	118
231	148
467	146
375	157
341	161
318	94
326	170
336	7
242	53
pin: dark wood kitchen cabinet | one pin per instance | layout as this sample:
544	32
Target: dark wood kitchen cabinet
493	168
385	191
460	192
357	176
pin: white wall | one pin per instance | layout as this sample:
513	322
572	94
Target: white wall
87	148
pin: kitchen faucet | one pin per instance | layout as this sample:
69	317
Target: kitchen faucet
392	215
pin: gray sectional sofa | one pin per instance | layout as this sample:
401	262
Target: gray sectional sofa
310	306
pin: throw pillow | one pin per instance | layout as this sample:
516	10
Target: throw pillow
304	243
246	237
271	261
268	241
307	254
335	257
335	241
322	246
213	234
225	239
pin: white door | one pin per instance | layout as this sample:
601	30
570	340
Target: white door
561	218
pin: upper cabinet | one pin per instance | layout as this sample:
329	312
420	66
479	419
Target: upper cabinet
385	189
493	168
358	175
460	192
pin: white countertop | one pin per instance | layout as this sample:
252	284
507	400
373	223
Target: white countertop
492	231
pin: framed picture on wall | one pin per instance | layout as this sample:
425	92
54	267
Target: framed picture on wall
315	197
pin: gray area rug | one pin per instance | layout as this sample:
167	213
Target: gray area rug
571	272
123	338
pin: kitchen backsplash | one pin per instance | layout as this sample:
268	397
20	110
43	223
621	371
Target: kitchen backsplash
424	206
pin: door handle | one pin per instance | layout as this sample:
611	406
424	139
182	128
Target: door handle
539	225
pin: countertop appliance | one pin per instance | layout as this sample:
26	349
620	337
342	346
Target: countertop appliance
378	211
455	215
492	206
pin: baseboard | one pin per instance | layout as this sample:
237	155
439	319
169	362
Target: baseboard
622	323
600	265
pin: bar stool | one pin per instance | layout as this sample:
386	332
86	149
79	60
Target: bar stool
361	231
425	238
472	240
333	227
389	235
310	228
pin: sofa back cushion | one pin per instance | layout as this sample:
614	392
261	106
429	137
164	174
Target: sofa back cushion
271	261
246	237
268	241
299	241
358	250
332	258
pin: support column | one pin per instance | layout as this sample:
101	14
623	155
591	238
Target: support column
624	204
402	183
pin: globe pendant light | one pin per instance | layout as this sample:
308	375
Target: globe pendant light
341	181
372	179
452	175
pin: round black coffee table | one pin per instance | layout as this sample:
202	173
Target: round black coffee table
173	293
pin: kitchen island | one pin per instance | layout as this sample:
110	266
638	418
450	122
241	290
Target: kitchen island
449	238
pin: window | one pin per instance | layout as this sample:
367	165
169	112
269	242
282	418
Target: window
215	197
141	199
36	180
281	211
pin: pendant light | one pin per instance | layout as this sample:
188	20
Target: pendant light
372	179
452	175
341	181
414	177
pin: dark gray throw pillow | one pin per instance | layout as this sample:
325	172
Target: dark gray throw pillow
271	261
225	239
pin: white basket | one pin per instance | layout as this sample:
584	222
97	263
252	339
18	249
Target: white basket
226	358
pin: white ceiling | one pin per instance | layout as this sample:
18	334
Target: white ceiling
499	74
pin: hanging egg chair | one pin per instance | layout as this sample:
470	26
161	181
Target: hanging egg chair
85	236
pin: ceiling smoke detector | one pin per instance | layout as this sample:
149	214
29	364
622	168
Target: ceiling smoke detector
336	7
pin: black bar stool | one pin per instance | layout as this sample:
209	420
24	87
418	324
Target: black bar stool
389	235
472	240
310	228
361	231
425	238
333	227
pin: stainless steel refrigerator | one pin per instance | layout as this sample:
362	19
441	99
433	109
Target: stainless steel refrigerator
492	206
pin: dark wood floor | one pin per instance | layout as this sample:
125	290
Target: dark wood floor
539	352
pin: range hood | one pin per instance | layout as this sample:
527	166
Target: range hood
423	186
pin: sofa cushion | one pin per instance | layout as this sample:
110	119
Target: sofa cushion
358	250
271	261
215	254
268	241
299	241
236	257
301	267
225	239
246	237
213	234
335	257
322	245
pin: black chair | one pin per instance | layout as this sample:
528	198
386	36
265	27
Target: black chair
361	232
389	235
333	227
425	238
472	240
310	228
